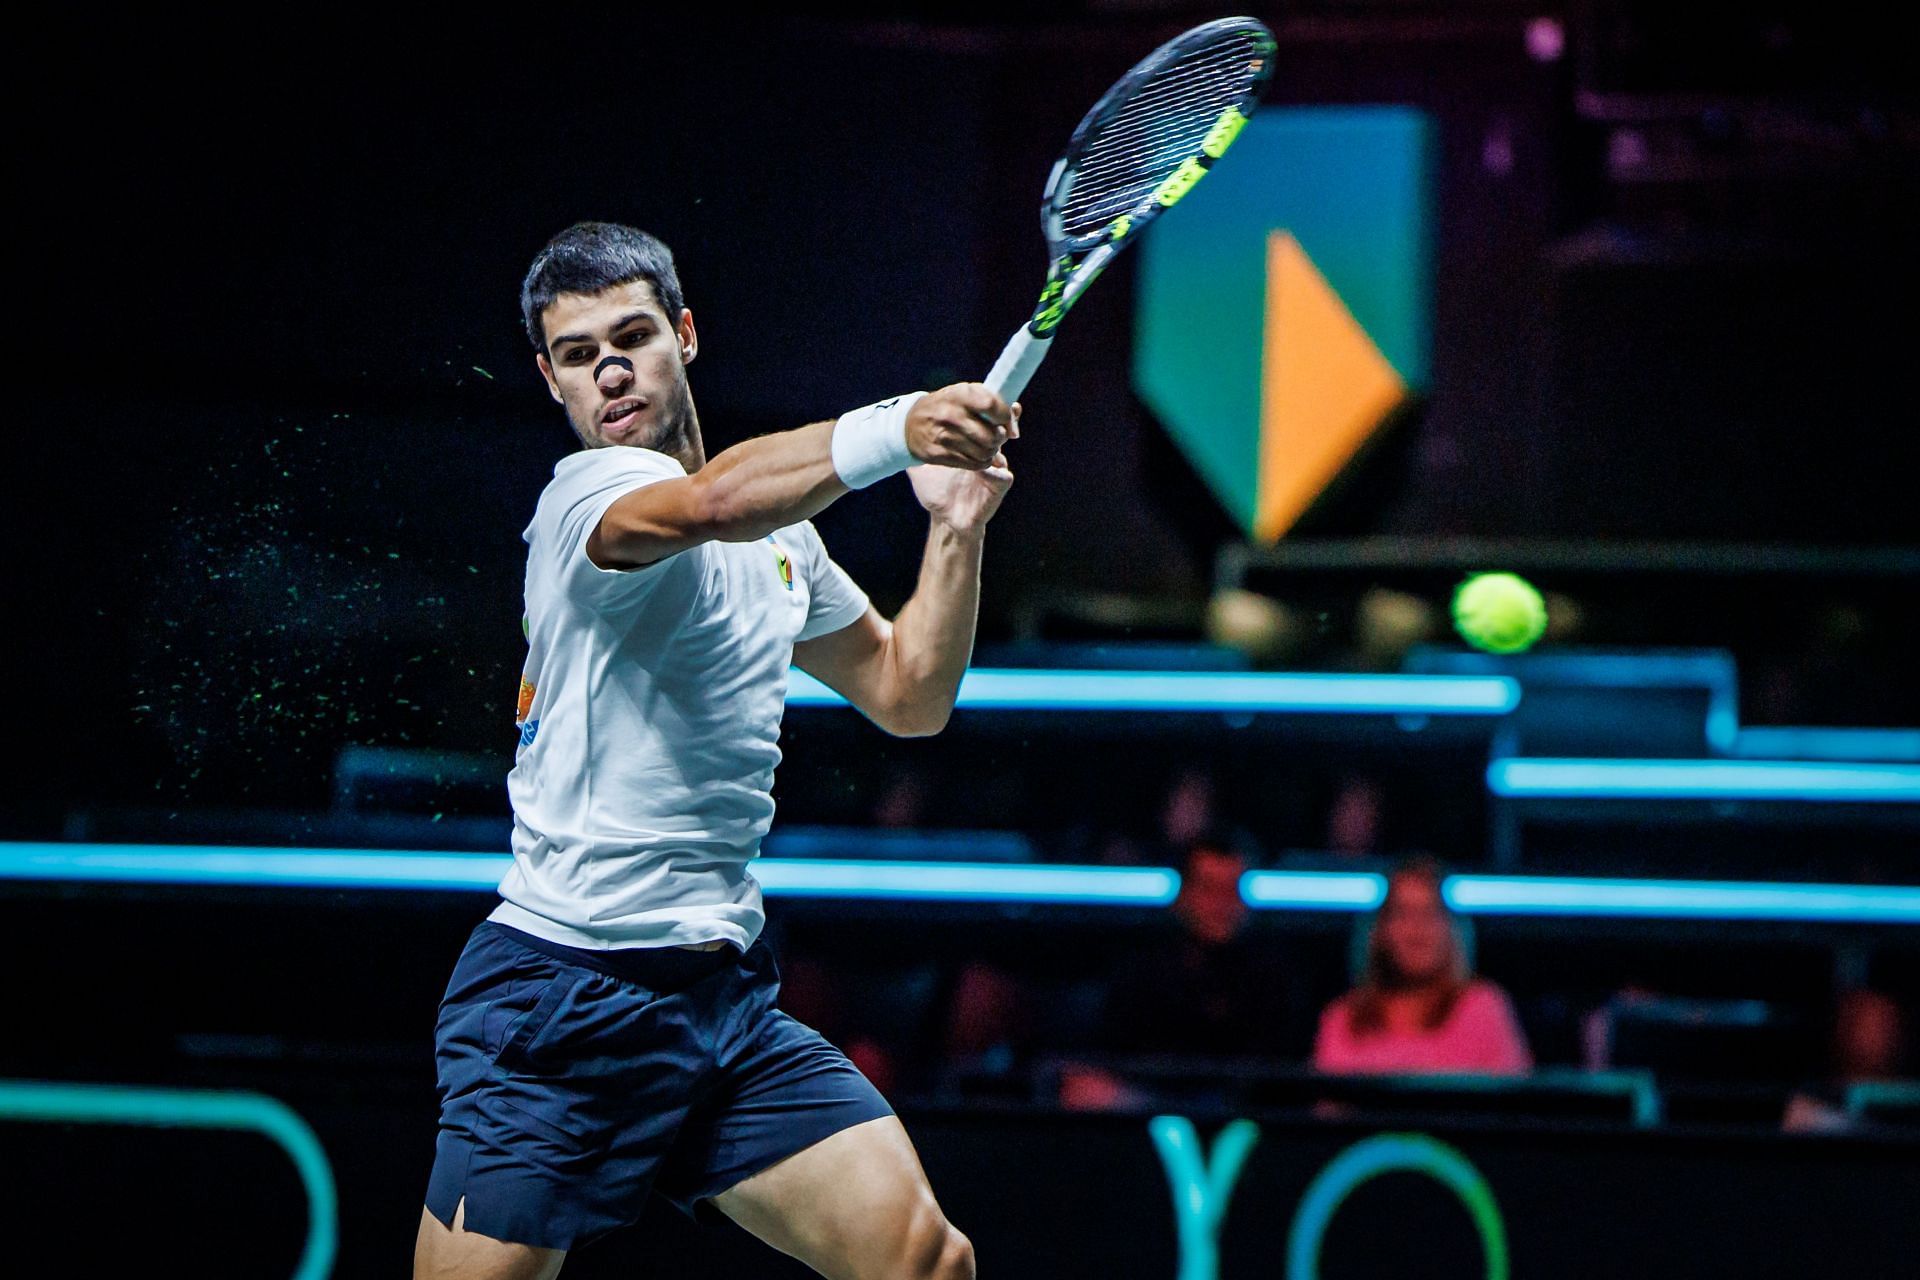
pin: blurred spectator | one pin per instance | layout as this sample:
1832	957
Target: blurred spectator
1416	1005
1596	1029
1387	623
1868	1043
1206	986
986	1020
1353	820
903	800
1265	630
1187	812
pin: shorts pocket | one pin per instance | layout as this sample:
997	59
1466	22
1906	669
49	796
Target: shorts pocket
518	1119
525	1035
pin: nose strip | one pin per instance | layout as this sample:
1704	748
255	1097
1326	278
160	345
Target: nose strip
622	361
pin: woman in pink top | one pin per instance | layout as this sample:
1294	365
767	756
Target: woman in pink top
1418	1006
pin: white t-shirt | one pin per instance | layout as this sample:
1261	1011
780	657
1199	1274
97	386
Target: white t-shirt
649	718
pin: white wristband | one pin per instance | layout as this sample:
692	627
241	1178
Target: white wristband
871	444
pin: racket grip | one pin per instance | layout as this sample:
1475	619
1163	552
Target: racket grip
1016	365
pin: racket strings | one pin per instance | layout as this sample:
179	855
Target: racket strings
1169	118
1157	129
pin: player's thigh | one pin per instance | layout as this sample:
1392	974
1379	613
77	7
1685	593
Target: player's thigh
852	1206
454	1253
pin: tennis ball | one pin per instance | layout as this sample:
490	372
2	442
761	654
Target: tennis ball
1499	612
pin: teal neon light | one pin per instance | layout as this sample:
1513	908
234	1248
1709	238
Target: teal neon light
40	1101
242	865
1314	890
1795	780
958	881
1202	1186
477	872
1391	1153
1227	691
909	881
1865	1095
1583	896
1685	899
1808	742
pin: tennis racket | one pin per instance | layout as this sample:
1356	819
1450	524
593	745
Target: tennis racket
1144	145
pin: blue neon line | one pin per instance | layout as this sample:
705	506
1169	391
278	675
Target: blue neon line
1704	780
956	881
1683	899
1815	742
383	869
240	865
986	882
1314	890
1582	896
1063	690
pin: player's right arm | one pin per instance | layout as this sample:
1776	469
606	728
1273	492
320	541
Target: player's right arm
766	483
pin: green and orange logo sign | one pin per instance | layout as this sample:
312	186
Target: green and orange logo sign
1285	307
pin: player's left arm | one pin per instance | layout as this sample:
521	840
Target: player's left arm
904	674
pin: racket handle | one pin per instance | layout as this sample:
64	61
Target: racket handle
1016	365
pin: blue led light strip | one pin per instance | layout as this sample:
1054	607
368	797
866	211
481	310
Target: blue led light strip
383	869
985	882
1314	890
1808	742
1582	896
966	881
1056	690
240	865
1682	899
1521	778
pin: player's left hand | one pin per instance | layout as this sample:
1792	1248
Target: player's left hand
965	500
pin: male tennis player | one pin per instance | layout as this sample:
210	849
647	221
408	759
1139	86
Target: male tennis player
611	1028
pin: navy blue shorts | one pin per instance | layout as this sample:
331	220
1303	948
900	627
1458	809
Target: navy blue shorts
573	1082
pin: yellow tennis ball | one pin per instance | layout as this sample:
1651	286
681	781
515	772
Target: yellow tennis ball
1499	612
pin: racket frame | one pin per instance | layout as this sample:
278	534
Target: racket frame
1075	262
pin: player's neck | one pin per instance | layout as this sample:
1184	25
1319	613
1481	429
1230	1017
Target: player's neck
683	444
689	449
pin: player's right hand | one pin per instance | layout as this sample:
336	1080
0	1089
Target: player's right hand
963	426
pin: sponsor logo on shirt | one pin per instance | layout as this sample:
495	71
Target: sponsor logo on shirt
527	727
785	564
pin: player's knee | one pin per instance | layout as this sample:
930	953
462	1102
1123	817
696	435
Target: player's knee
939	1252
956	1257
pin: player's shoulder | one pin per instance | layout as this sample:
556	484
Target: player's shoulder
612	461
587	472
800	535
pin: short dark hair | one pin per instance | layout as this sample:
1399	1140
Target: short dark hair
591	256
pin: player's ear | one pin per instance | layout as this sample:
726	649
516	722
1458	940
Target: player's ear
689	340
546	371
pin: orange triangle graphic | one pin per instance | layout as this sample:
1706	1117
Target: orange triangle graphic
1324	388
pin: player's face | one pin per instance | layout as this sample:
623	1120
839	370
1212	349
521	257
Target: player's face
617	364
1415	931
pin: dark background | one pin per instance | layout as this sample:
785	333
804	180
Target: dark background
282	428
278	428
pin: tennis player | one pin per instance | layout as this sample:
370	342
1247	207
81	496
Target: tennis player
610	1030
